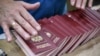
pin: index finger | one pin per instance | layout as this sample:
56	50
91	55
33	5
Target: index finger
30	19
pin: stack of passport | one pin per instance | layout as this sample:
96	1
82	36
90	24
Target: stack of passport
62	34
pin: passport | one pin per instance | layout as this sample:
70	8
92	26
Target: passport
58	31
37	44
83	37
62	34
94	21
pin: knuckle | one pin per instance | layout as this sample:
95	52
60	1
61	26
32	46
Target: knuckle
16	26
12	13
26	26
30	20
23	22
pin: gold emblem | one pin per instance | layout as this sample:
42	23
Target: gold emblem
37	39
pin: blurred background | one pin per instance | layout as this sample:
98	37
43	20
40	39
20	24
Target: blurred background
95	3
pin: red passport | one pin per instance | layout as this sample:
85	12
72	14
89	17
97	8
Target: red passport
62	33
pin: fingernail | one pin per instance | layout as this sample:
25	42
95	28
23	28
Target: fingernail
38	28
72	3
27	36
90	5
9	39
37	3
34	33
82	7
78	6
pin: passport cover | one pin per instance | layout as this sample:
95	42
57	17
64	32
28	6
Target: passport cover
62	33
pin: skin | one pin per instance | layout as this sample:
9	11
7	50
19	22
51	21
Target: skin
16	12
24	24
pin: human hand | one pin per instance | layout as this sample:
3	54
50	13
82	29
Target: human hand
81	3
14	14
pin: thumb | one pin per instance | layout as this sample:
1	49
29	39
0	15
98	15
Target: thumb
30	6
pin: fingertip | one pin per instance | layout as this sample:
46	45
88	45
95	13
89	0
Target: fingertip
26	37
38	28
37	3
34	33
72	3
30	6
82	7
9	39
90	6
90	3
77	6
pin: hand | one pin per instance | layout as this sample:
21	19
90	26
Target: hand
81	3
14	14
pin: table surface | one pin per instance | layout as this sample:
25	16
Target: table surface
11	49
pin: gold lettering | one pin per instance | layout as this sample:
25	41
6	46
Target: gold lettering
43	45
56	39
